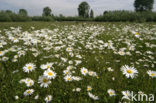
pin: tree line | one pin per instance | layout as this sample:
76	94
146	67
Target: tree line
143	13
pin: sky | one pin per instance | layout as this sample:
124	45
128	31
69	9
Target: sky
66	7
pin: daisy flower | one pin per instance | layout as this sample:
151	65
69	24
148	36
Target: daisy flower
5	58
22	81
93	96
121	52
49	65
126	95
69	67
130	72
2	53
84	71
78	62
69	49
111	92
89	88
48	98
29	92
151	73
76	78
16	97
70	62
44	81
66	72
68	78
78	89
29	82
43	66
91	73
15	40
71	54
36	97
50	74
29	67
110	69
137	35
46	66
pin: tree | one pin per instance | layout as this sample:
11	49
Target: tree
143	5
46	11
8	11
91	14
105	12
23	12
83	9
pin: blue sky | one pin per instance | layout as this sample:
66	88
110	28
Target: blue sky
66	7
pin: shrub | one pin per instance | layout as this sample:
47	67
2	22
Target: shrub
117	16
4	17
42	18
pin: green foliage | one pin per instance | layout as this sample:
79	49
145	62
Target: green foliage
70	18
105	12
91	14
4	17
83	9
42	18
108	16
19	18
123	16
46	11
7	16
23	12
143	5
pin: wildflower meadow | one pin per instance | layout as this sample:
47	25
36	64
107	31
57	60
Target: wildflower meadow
77	62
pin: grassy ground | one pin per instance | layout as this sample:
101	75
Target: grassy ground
97	46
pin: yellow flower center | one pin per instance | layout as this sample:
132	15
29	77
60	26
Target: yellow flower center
30	83
45	80
111	93
129	71
48	66
137	33
29	67
68	79
121	52
152	74
89	89
0	52
84	71
127	94
50	73
28	92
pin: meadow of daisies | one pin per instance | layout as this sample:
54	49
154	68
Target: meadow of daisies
76	62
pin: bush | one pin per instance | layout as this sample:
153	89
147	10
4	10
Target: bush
19	18
70	18
118	16
4	17
108	16
42	18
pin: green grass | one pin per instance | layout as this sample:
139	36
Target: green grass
93	58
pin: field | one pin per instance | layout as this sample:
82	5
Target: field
76	62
